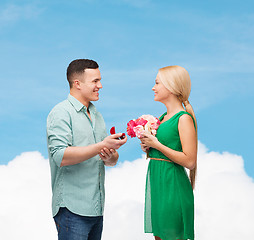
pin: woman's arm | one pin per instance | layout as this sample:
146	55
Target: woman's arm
188	157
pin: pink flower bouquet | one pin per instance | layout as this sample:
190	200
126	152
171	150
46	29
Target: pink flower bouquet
145	123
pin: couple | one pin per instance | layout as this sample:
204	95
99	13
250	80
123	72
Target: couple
79	148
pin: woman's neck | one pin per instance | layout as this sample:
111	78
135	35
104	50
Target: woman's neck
173	106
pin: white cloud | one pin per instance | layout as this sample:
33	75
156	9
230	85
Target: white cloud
25	212
224	199
125	191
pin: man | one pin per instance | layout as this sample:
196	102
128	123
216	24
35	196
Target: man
79	148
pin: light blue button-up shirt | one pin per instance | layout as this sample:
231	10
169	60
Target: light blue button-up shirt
78	187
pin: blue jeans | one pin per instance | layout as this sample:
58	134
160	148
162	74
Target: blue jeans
71	226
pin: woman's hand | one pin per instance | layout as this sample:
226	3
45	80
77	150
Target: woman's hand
148	140
144	147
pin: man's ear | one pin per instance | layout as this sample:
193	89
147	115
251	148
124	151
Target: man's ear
76	84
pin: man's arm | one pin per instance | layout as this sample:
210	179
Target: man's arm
75	155
59	134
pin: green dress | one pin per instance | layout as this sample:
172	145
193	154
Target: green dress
169	202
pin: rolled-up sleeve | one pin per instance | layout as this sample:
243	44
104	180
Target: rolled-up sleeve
59	135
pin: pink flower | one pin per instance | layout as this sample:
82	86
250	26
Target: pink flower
145	123
130	125
155	126
139	130
141	121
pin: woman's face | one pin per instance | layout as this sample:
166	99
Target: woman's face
161	93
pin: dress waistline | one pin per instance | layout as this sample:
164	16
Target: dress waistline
161	159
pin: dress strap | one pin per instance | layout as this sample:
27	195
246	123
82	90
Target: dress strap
161	159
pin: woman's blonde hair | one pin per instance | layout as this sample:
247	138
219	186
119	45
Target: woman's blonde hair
177	80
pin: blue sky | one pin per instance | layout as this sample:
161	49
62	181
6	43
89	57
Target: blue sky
213	40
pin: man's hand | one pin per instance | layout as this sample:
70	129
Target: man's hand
108	153
109	156
113	142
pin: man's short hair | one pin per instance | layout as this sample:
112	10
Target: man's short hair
78	67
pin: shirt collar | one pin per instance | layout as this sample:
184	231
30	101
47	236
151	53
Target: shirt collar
79	106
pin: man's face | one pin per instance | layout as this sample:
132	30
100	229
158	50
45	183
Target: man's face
90	85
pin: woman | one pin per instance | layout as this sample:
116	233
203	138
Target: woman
169	206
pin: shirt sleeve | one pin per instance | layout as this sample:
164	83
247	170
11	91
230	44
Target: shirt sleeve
59	134
104	130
